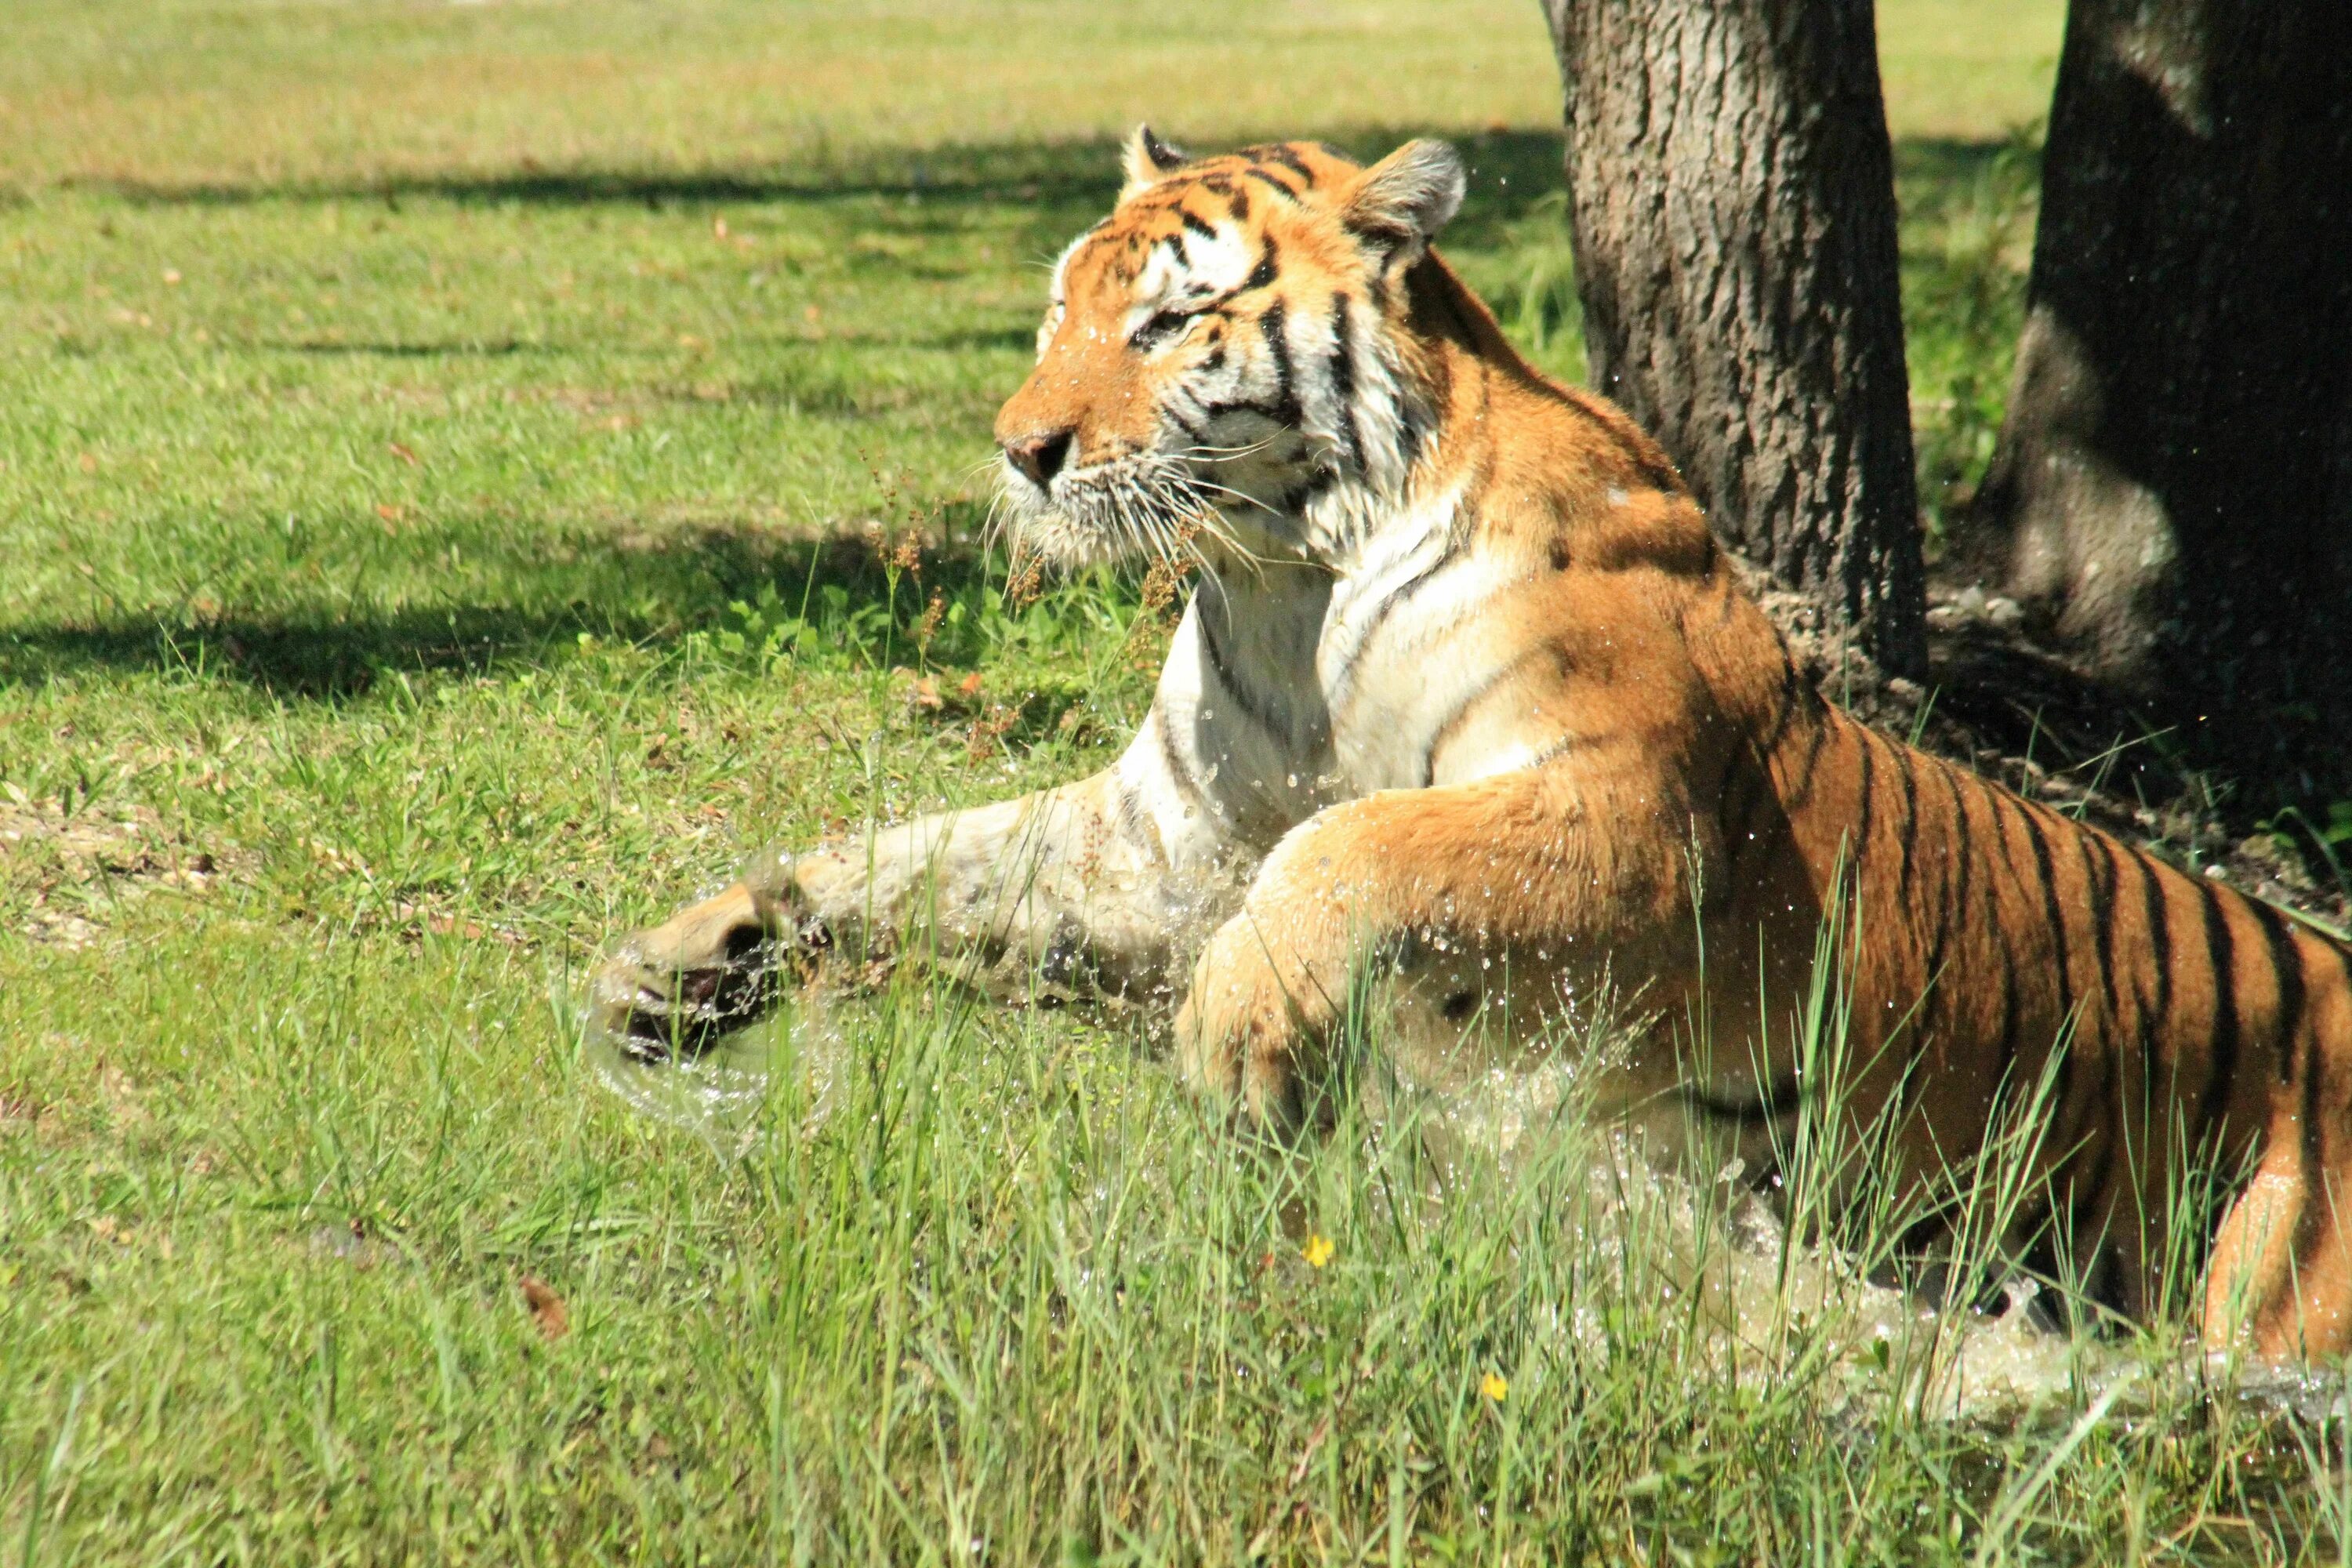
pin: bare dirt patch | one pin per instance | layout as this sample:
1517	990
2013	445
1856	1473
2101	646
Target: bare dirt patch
66	872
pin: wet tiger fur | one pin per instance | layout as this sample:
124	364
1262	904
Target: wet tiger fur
1468	693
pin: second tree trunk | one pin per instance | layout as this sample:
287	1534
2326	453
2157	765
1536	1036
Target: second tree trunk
2173	488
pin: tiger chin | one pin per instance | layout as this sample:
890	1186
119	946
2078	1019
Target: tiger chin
1466	690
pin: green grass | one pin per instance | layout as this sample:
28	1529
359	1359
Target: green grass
449	469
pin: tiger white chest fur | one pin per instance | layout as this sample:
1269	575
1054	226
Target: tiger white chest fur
1289	688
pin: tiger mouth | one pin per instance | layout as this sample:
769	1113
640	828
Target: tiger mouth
1144	506
1131	508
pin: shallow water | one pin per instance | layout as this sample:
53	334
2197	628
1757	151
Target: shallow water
1716	1238
1721	1240
720	1094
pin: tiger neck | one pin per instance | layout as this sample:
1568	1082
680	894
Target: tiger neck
1418	420
1342	660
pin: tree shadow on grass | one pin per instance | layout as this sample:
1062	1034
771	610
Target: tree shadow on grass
678	584
1511	171
476	348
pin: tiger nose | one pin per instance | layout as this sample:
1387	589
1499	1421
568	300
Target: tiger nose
1040	455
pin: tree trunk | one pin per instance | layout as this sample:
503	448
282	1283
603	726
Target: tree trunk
1732	202
2172	491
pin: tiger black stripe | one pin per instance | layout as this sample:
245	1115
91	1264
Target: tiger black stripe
2156	910
1495	679
1953	898
1790	690
1908	835
1412	432
2314	1154
1294	499
1279	187
2286	961
1808	769
1263	274
2313	1068
2103	915
1196	223
1343	680
2011	1011
2313	1046
1915	1025
2221	1046
1135	829
1277	154
1252	705
1864	788
2053	910
2066	1043
2151	1015
1343	380
1956	898
1179	769
2103	1100
1273	323
2314	1129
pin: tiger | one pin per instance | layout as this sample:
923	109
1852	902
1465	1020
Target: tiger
1466	698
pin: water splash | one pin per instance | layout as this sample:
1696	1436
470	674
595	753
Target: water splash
1718	1242
721	1095
1713	1240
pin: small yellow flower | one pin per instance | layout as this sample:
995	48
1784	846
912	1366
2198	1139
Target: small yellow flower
1494	1387
1317	1250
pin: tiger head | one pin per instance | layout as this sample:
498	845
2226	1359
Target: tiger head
1225	365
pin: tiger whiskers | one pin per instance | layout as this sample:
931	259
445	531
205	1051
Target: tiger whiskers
1225	454
1151	504
1189	513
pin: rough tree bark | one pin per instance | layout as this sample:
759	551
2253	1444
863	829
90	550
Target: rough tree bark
2172	492
1732	202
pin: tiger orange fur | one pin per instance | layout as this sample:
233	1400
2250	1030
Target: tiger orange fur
1468	695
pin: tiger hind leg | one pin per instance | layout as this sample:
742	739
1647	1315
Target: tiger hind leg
2279	1281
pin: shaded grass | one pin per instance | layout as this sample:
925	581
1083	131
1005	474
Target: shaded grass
1967	240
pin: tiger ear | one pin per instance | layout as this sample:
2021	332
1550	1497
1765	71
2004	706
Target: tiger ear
1147	160
1400	202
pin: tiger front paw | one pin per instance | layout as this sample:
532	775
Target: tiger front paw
1250	1028
717	967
